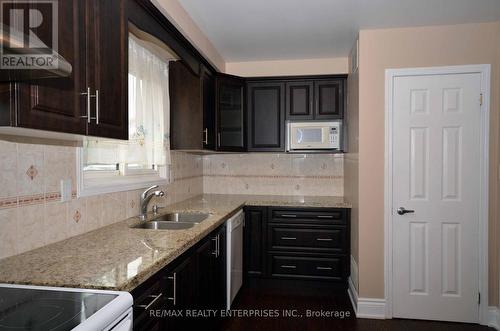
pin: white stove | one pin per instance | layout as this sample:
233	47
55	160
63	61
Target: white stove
60	309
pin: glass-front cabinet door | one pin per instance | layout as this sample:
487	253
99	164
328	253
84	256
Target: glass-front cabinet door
230	114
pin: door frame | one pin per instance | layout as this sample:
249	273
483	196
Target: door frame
390	74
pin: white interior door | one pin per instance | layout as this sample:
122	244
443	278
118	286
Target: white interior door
436	174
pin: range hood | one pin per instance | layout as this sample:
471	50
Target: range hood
62	69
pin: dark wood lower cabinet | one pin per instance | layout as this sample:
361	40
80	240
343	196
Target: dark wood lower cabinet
285	245
196	280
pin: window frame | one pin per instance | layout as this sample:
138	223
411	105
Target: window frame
113	181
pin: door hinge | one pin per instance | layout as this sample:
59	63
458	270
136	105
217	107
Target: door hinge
481	99
479	298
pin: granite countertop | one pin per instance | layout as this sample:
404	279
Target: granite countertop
117	257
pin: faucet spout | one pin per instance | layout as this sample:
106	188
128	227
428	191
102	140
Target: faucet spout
146	198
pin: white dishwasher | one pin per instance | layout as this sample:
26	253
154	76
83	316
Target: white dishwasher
234	228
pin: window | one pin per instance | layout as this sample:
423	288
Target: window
112	165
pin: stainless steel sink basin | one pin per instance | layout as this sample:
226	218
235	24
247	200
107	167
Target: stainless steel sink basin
156	225
183	217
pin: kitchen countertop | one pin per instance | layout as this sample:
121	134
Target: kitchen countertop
117	257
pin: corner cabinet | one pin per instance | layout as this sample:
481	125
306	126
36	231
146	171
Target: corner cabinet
266	116
230	113
93	99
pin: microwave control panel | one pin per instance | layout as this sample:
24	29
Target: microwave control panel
333	135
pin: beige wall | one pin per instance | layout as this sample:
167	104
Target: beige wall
274	173
414	47
178	16
288	67
351	164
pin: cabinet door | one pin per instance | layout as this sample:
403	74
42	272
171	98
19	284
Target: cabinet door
329	99
266	116
208	102
211	270
55	104
186	117
254	241
299	100
230	114
182	292
107	72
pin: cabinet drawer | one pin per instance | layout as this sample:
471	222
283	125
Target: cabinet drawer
293	237
332	268
318	216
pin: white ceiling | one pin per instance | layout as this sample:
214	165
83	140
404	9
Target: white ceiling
250	30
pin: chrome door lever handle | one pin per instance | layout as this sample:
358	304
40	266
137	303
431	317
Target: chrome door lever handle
402	211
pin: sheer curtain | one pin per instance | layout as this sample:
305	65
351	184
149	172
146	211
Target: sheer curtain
149	114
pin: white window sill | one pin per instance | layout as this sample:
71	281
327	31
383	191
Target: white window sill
101	183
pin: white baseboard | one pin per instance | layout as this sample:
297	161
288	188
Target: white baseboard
366	307
494	317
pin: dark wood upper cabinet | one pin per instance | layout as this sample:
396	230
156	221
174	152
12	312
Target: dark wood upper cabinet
329	99
266	116
186	114
107	40
208	104
92	37
300	100
230	113
53	104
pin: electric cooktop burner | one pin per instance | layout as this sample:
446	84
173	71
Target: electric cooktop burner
44	310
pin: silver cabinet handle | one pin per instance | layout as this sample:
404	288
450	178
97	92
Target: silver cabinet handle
323	268
324	239
174	298
325	216
156	298
289	267
289	215
96	96
288	238
96	106
218	139
88	104
205	133
217	246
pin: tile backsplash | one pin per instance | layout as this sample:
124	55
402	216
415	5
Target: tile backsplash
274	173
31	214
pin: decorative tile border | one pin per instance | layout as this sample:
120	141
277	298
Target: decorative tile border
27	200
275	176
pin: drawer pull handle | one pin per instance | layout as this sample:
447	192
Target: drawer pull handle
156	298
289	215
288	238
323	268
325	216
289	267
324	239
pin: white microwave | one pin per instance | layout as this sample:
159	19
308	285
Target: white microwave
303	136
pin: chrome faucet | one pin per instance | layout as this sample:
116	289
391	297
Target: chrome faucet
145	198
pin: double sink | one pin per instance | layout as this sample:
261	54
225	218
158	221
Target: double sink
173	221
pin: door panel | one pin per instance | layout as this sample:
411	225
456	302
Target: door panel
56	104
108	75
436	156
266	112
299	100
230	114
329	96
